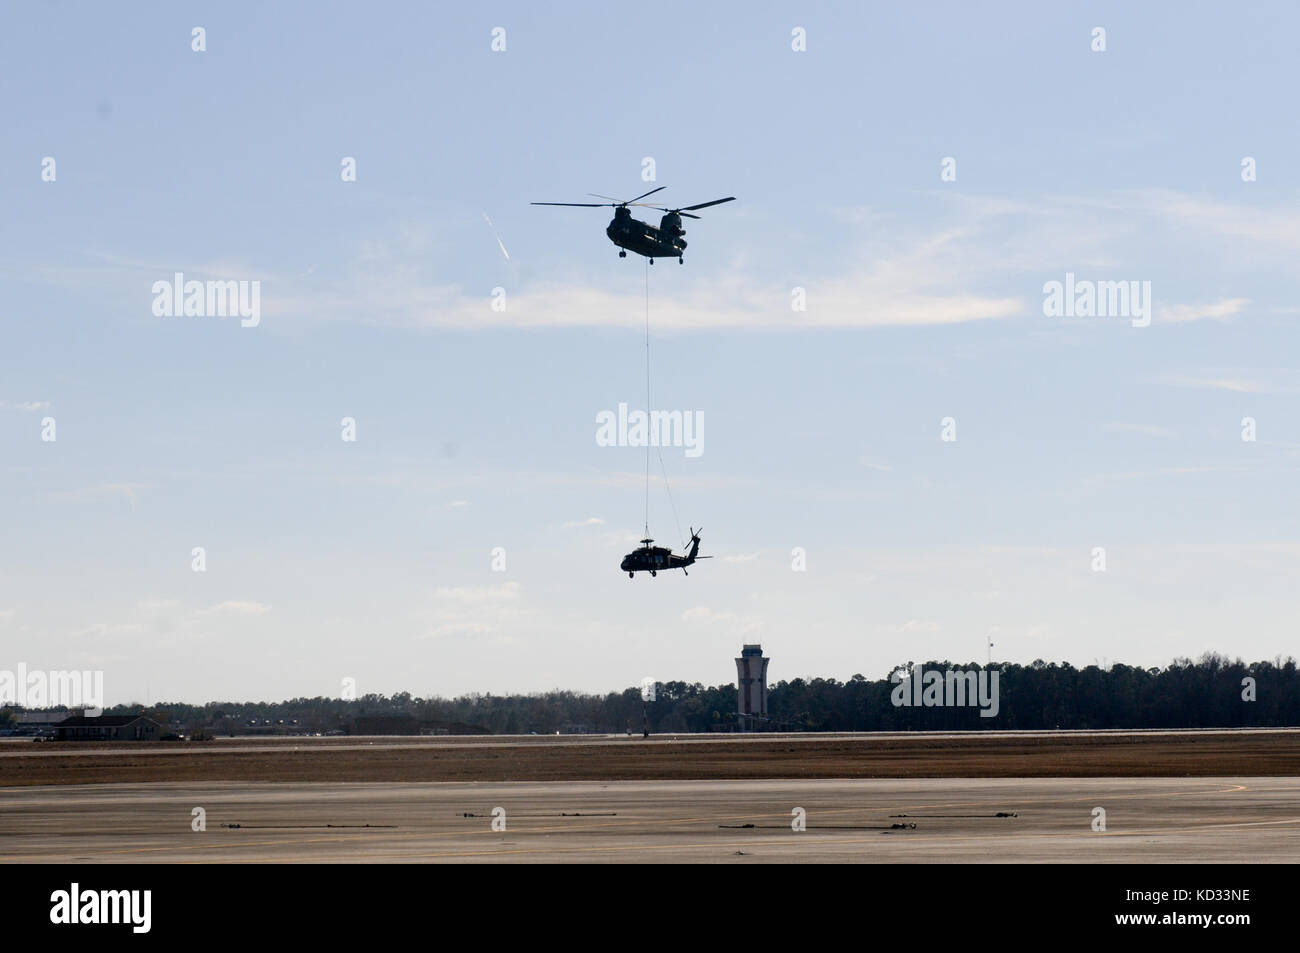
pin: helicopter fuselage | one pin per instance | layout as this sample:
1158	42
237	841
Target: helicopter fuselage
644	238
651	559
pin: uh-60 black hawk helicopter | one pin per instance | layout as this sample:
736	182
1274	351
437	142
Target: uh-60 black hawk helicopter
641	237
653	558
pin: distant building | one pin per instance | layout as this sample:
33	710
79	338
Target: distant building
385	725
751	687
452	728
109	728
35	723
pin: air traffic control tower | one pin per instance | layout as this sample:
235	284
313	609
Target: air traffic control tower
751	687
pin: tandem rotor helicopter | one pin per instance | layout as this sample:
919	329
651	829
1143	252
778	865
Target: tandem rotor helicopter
641	237
653	558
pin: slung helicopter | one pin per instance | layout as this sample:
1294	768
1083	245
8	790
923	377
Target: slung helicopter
632	234
653	558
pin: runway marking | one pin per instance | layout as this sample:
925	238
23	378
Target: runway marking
1195	828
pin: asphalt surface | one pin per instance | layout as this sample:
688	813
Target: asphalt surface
1221	820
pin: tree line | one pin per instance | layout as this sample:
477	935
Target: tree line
1212	692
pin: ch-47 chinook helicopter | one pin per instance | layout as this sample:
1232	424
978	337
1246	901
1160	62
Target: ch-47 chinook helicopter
641	237
653	558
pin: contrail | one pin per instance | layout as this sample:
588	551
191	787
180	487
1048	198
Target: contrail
496	236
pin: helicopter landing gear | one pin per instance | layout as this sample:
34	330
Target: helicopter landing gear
681	260
631	575
622	254
652	261
653	573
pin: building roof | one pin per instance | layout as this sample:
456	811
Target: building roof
104	721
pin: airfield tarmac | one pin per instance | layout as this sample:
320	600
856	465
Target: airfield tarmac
1153	820
1171	796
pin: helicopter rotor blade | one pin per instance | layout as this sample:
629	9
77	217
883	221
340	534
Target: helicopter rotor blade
640	197
691	208
675	210
636	202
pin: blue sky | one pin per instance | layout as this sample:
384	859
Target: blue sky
476	428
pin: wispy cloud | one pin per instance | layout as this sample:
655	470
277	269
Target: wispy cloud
911	282
972	264
1236	384
1219	310
1168	471
507	592
1275	227
239	607
485	611
109	630
918	625
912	278
589	521
461	628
